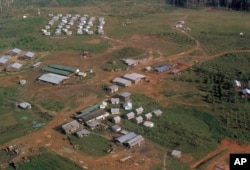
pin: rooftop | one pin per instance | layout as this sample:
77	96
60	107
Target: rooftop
52	78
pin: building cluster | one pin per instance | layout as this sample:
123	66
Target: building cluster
56	73
9	59
65	25
90	118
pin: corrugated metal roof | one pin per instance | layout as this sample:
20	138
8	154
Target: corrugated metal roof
162	68
15	65
70	125
134	76
52	78
89	109
125	94
56	71
122	81
92	115
29	54
3	60
126	137
65	68
82	132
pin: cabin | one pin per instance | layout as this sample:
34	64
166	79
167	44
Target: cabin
148	124
82	133
127	105
28	56
24	105
157	112
148	116
116	128
139	110
134	77
116	119
93	124
70	127
138	120
129	115
112	89
114	111
122	82
115	100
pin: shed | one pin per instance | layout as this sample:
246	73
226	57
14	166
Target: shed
134	77
116	128
246	91
55	71
157	112
65	68
93	124
52	78
24	105
237	83
148	124
130	115
29	55
82	133
14	67
14	51
115	100
112	88
127	105
71	126
4	59
148	116
115	111
139	110
176	153
162	68
125	96
137	140
125	137
122	82
116	119
138	119
131	62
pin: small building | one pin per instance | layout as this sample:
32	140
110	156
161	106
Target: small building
4	59
36	64
82	133
134	77
103	105
116	128
137	140
22	82
138	120
148	68
124	96
246	91
157	112
93	124
175	71
24	105
71	127
162	68
81	74
52	78
114	111
127	105
91	116
112	88
139	110
14	67
176	153
130	115
148	116
148	124
115	100
116	119
28	56
131	62
122	82
14	52
237	83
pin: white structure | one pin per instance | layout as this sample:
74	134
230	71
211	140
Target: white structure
115	111
52	78
115	100
148	116
157	112
14	67
29	55
176	153
138	119
24	105
148	124
116	119
139	110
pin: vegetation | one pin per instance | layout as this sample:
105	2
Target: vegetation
93	144
52	105
47	160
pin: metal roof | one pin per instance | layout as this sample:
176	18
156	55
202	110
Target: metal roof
3	60
56	71
89	109
92	115
29	54
133	76
82	132
125	94
122	81
126	137
65	68
52	78
135	140
70	125
15	65
162	68
16	50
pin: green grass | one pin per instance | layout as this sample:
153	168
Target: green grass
175	164
93	144
219	31
52	105
47	160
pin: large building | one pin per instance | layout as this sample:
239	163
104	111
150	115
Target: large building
122	82
52	78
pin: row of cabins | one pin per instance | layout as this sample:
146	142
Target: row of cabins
128	79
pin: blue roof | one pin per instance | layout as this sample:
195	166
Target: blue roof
162	68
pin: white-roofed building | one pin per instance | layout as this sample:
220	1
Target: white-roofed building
14	51
4	59
237	83
138	119
29	55
71	126
122	82
52	78
14	67
134	77
24	105
82	133
148	124
176	153
139	110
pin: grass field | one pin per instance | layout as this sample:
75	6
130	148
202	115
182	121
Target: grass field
92	145
47	160
15	122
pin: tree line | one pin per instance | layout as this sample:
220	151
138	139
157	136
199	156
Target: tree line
240	5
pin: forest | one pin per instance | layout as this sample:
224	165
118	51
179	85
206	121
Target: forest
240	5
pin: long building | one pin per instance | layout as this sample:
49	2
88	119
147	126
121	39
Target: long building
122	82
65	68
52	78
55	71
91	115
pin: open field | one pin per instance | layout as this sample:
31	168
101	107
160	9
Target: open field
200	105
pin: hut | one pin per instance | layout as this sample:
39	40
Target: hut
116	119
82	133
130	115
138	120
14	67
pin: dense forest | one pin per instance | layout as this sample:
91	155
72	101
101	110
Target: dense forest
241	5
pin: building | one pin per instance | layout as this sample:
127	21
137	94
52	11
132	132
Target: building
124	96
139	110
90	116
127	105
246	91
14	52
138	120
36	64
14	67
52	78
137	140
24	105
162	68
82	133
134	77
148	124
148	68
65	68
116	119
123	138
130	115
116	128
28	56
55	71
22	82
237	83
93	124
115	100
71	126
114	111
148	116
122	82
112	88
175	71
131	62
157	112
4	59
176	153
